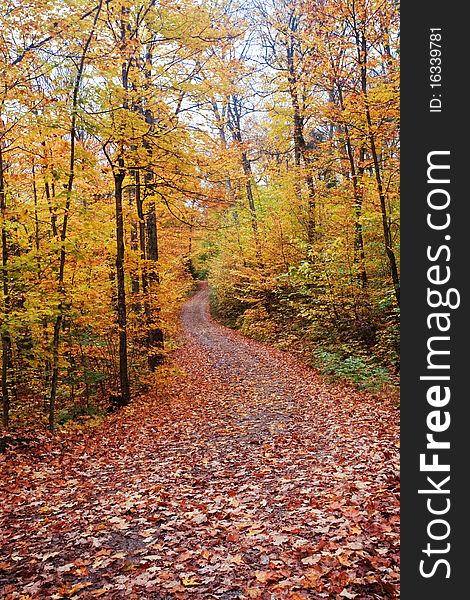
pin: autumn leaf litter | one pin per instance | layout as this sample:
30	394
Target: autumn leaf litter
247	476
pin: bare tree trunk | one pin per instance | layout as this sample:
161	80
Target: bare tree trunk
138	244
223	138
135	283
148	236
359	253
36	217
141	218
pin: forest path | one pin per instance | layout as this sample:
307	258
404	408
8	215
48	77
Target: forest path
247	477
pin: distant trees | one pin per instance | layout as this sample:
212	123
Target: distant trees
324	151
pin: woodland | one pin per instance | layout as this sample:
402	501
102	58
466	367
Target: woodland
200	292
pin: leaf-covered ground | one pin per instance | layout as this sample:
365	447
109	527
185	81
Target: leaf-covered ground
247	477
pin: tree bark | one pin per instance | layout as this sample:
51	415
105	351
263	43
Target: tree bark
300	146
356	177
135	282
155	339
6	339
119	175
234	123
387	236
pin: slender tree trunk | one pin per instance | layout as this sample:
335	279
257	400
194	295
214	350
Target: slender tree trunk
6	339
138	244
152	239
36	217
121	287
155	334
135	275
388	242
359	253
246	165
311	207
223	138
300	147
63	232
148	238
356	177
298	125
141	218
50	193
387	236
6	361
234	123
228	182
135	283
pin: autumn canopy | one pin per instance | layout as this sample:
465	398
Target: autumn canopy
147	144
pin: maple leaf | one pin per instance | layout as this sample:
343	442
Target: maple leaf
190	581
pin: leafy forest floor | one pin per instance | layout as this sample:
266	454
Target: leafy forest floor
247	476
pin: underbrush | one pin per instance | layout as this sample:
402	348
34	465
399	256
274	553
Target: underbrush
363	353
362	371
78	413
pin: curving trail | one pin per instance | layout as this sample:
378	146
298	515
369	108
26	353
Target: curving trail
247	477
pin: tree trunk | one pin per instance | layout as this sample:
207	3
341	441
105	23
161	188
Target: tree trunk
234	123
387	236
356	177
121	288
155	339
223	138
300	147
49	194
6	340
135	283
63	233
251	205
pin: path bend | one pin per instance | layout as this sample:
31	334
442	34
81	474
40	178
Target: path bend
247	477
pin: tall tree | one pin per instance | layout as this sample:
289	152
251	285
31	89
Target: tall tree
65	218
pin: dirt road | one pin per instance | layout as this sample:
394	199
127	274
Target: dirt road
247	476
